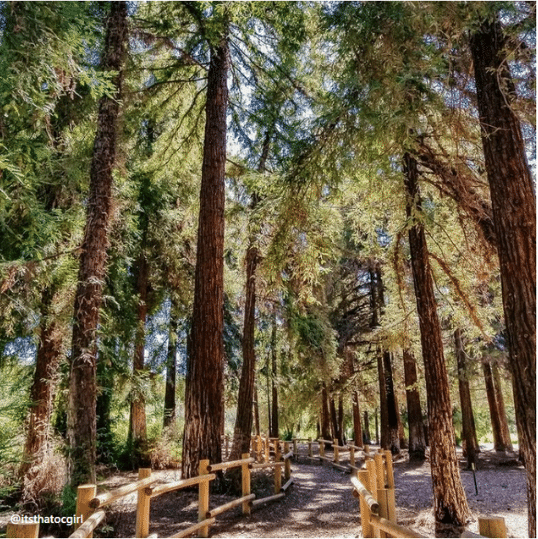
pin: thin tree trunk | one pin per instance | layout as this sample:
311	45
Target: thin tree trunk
384	412
392	408
92	270
493	407
42	392
169	416
417	442
274	388
376	421
514	217
341	419
256	411
470	445
450	504
137	424
357	427
505	431
366	437
401	430
204	412
245	399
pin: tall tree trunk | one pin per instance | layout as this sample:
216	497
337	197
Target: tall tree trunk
243	420
245	399
493	407
92	270
48	356
137	435
334	420
376	421
205	369
392	407
169	416
401	430
384	411
450	504
341	419
514	217
274	388
470	442
417	442
505	431
366	437
256	412
357	427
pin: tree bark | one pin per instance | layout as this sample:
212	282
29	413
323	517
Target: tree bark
505	431
243	421
417	442
48	356
514	216
357	427
256	411
450	504
392	406
384	412
137	435
469	440
92	270
169	417
204	412
274	388
493	407
367	439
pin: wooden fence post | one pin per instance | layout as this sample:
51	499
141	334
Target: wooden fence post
321	450
366	452
245	483
387	506
352	456
259	449
85	493
203	497
287	462
336	451
492	527
364	478
22	530
372	487
310	447
390	469
142	507
278	478
379	470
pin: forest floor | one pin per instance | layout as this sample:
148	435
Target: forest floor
320	502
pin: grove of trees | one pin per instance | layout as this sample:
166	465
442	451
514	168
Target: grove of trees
301	219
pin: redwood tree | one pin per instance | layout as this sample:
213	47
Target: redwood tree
450	504
92	270
514	217
204	410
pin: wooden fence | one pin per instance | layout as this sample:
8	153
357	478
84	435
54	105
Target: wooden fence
91	506
373	485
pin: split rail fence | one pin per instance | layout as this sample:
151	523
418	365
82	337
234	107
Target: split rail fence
373	485
92	506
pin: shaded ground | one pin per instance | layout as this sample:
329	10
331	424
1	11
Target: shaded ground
320	503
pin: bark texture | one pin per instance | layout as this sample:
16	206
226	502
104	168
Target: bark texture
393	413
169	417
493	407
48	356
357	427
505	431
274	387
514	216
469	439
204	412
450	504
417	441
92	270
